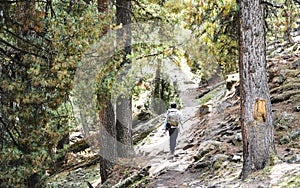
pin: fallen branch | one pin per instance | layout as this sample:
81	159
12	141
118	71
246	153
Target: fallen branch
84	164
78	146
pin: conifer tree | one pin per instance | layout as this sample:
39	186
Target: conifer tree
256	116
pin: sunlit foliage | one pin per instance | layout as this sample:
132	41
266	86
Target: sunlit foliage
41	46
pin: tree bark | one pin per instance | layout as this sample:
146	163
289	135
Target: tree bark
107	141
256	117
107	137
158	93
33	180
124	101
124	126
124	34
157	80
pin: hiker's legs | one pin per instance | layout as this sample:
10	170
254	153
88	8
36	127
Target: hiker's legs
173	132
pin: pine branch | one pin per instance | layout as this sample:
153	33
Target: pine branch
171	48
10	134
22	50
21	38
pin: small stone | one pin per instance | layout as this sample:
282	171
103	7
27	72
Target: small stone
279	80
239	137
203	110
236	158
295	134
296	64
297	108
282	128
294	159
284	140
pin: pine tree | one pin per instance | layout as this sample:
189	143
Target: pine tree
256	116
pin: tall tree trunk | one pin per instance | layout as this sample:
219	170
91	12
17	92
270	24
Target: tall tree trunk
256	117
162	93
124	126
124	34
124	101
107	138
157	80
158	93
107	141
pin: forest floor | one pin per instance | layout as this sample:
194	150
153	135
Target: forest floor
209	148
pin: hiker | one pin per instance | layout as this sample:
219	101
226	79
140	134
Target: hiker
172	122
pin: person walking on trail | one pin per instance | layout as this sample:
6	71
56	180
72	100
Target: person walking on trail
172	122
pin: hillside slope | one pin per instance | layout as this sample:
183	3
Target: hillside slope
209	151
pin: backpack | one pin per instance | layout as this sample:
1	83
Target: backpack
173	118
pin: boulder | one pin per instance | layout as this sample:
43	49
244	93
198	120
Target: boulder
205	147
237	139
203	110
218	159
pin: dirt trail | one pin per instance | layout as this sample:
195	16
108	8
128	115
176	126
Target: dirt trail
169	172
174	173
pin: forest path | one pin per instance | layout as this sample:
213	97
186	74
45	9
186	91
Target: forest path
169	172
